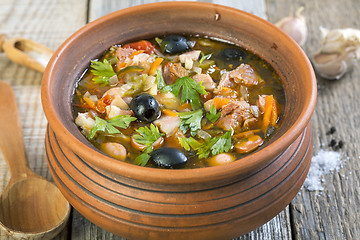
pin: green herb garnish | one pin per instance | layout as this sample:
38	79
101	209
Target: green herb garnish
213	145
146	136
103	71
109	126
204	57
190	91
191	120
213	115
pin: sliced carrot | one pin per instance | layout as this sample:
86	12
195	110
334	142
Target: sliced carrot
267	112
274	114
170	113
120	66
90	102
184	106
219	102
137	52
155	65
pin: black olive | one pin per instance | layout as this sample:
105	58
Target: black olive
168	158
233	53
145	107
230	56
175	44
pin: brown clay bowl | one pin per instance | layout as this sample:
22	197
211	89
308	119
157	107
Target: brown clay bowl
219	202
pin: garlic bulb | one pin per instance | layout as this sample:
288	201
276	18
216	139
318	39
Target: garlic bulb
295	27
339	52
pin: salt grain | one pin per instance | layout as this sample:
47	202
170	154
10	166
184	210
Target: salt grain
323	163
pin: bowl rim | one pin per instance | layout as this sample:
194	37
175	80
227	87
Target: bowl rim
172	176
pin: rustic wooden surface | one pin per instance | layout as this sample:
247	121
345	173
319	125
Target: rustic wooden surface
333	213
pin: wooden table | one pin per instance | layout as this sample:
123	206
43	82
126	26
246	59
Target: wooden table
333	213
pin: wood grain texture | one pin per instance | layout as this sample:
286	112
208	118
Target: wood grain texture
49	23
333	213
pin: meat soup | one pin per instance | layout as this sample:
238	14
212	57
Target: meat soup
178	102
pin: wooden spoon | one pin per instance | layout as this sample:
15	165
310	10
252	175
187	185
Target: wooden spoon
30	206
26	52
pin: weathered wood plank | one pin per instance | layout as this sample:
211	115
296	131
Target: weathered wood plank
335	212
98	8
49	23
277	228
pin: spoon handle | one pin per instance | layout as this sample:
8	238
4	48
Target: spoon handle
26	52
11	136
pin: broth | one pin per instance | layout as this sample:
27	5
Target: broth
178	102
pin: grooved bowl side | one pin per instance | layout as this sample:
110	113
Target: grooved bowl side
137	212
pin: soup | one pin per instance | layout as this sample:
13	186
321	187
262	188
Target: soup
178	102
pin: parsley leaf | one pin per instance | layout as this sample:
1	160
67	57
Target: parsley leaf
122	121
142	159
212	115
188	143
213	145
146	136
191	120
190	91
109	126
103	71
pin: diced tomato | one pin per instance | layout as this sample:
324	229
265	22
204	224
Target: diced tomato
141	45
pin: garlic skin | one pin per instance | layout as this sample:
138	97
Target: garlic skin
295	26
339	52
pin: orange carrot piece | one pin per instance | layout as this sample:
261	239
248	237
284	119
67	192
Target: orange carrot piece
155	65
170	113
274	114
137	52
219	102
267	112
89	102
184	106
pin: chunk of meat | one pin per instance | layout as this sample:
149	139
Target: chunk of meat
113	111
245	74
261	103
225	82
172	71
168	124
188	58
206	80
123	53
234	114
85	121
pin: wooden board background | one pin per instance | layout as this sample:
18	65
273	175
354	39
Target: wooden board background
331	214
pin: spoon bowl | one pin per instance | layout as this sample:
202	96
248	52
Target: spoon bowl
31	207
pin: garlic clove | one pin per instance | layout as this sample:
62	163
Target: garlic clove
339	39
339	52
295	26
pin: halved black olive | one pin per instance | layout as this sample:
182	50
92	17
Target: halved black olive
175	44
230	56
168	158
145	107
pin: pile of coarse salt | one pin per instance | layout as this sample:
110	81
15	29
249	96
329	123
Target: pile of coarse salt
323	163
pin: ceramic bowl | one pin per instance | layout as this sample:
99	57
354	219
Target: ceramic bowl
209	203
